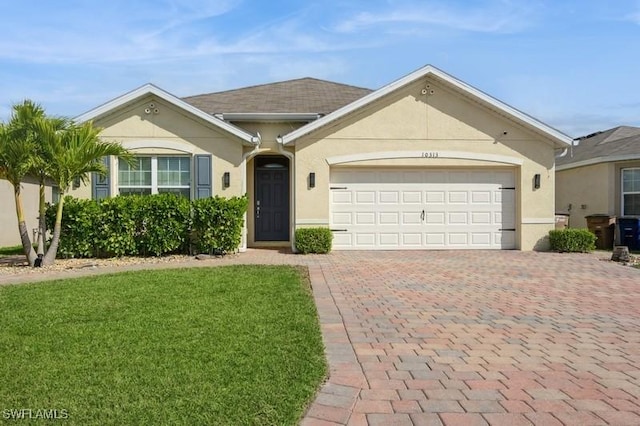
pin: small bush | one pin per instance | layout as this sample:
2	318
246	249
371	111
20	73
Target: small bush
217	224
572	240
313	240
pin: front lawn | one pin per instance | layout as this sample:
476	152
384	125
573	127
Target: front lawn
226	345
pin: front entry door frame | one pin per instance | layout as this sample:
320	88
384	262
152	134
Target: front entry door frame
271	198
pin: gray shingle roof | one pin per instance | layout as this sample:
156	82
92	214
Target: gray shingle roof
304	95
616	142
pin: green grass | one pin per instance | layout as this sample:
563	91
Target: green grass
227	345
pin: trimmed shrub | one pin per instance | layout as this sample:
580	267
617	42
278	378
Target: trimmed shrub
78	233
162	224
149	225
217	224
313	240
116	227
572	240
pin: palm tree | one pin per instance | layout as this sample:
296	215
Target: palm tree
72	153
17	147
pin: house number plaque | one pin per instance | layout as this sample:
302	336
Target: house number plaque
430	154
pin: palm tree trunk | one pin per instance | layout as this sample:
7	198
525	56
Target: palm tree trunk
42	223
22	227
50	257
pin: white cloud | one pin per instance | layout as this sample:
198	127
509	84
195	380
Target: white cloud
123	31
491	16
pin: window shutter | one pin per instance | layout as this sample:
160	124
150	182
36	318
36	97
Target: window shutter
100	184
202	169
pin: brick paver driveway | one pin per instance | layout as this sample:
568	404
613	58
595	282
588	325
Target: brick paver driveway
477	338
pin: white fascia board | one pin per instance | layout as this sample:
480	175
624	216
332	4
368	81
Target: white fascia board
150	89
560	138
598	160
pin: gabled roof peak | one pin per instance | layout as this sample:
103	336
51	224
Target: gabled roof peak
560	139
151	89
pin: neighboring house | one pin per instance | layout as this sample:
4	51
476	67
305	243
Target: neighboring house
425	162
600	175
9	235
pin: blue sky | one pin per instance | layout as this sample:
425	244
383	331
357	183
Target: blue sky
574	64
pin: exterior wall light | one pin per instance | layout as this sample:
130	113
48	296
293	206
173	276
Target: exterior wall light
226	179
312	180
536	181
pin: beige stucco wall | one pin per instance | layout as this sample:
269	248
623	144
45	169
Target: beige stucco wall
594	189
584	191
173	131
443	122
9	235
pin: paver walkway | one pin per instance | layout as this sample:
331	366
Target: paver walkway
469	338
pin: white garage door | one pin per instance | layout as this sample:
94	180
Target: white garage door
387	209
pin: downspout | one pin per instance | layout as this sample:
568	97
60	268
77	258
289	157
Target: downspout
245	231
292	190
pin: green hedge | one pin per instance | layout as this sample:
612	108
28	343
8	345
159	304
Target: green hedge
572	240
152	225
313	240
217	224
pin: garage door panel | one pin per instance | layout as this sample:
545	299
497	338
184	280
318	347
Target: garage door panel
458	197
481	239
457	218
365	239
412	239
458	239
389	218
435	197
341	197
435	218
342	218
435	239
481	197
412	197
480	218
389	197
411	218
343	239
389	239
365	218
413	209
365	197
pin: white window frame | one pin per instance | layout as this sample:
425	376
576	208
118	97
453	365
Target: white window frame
623	192
154	174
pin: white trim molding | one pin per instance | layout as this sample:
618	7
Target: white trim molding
429	156
538	220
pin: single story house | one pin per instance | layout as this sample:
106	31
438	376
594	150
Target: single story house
600	175
425	162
